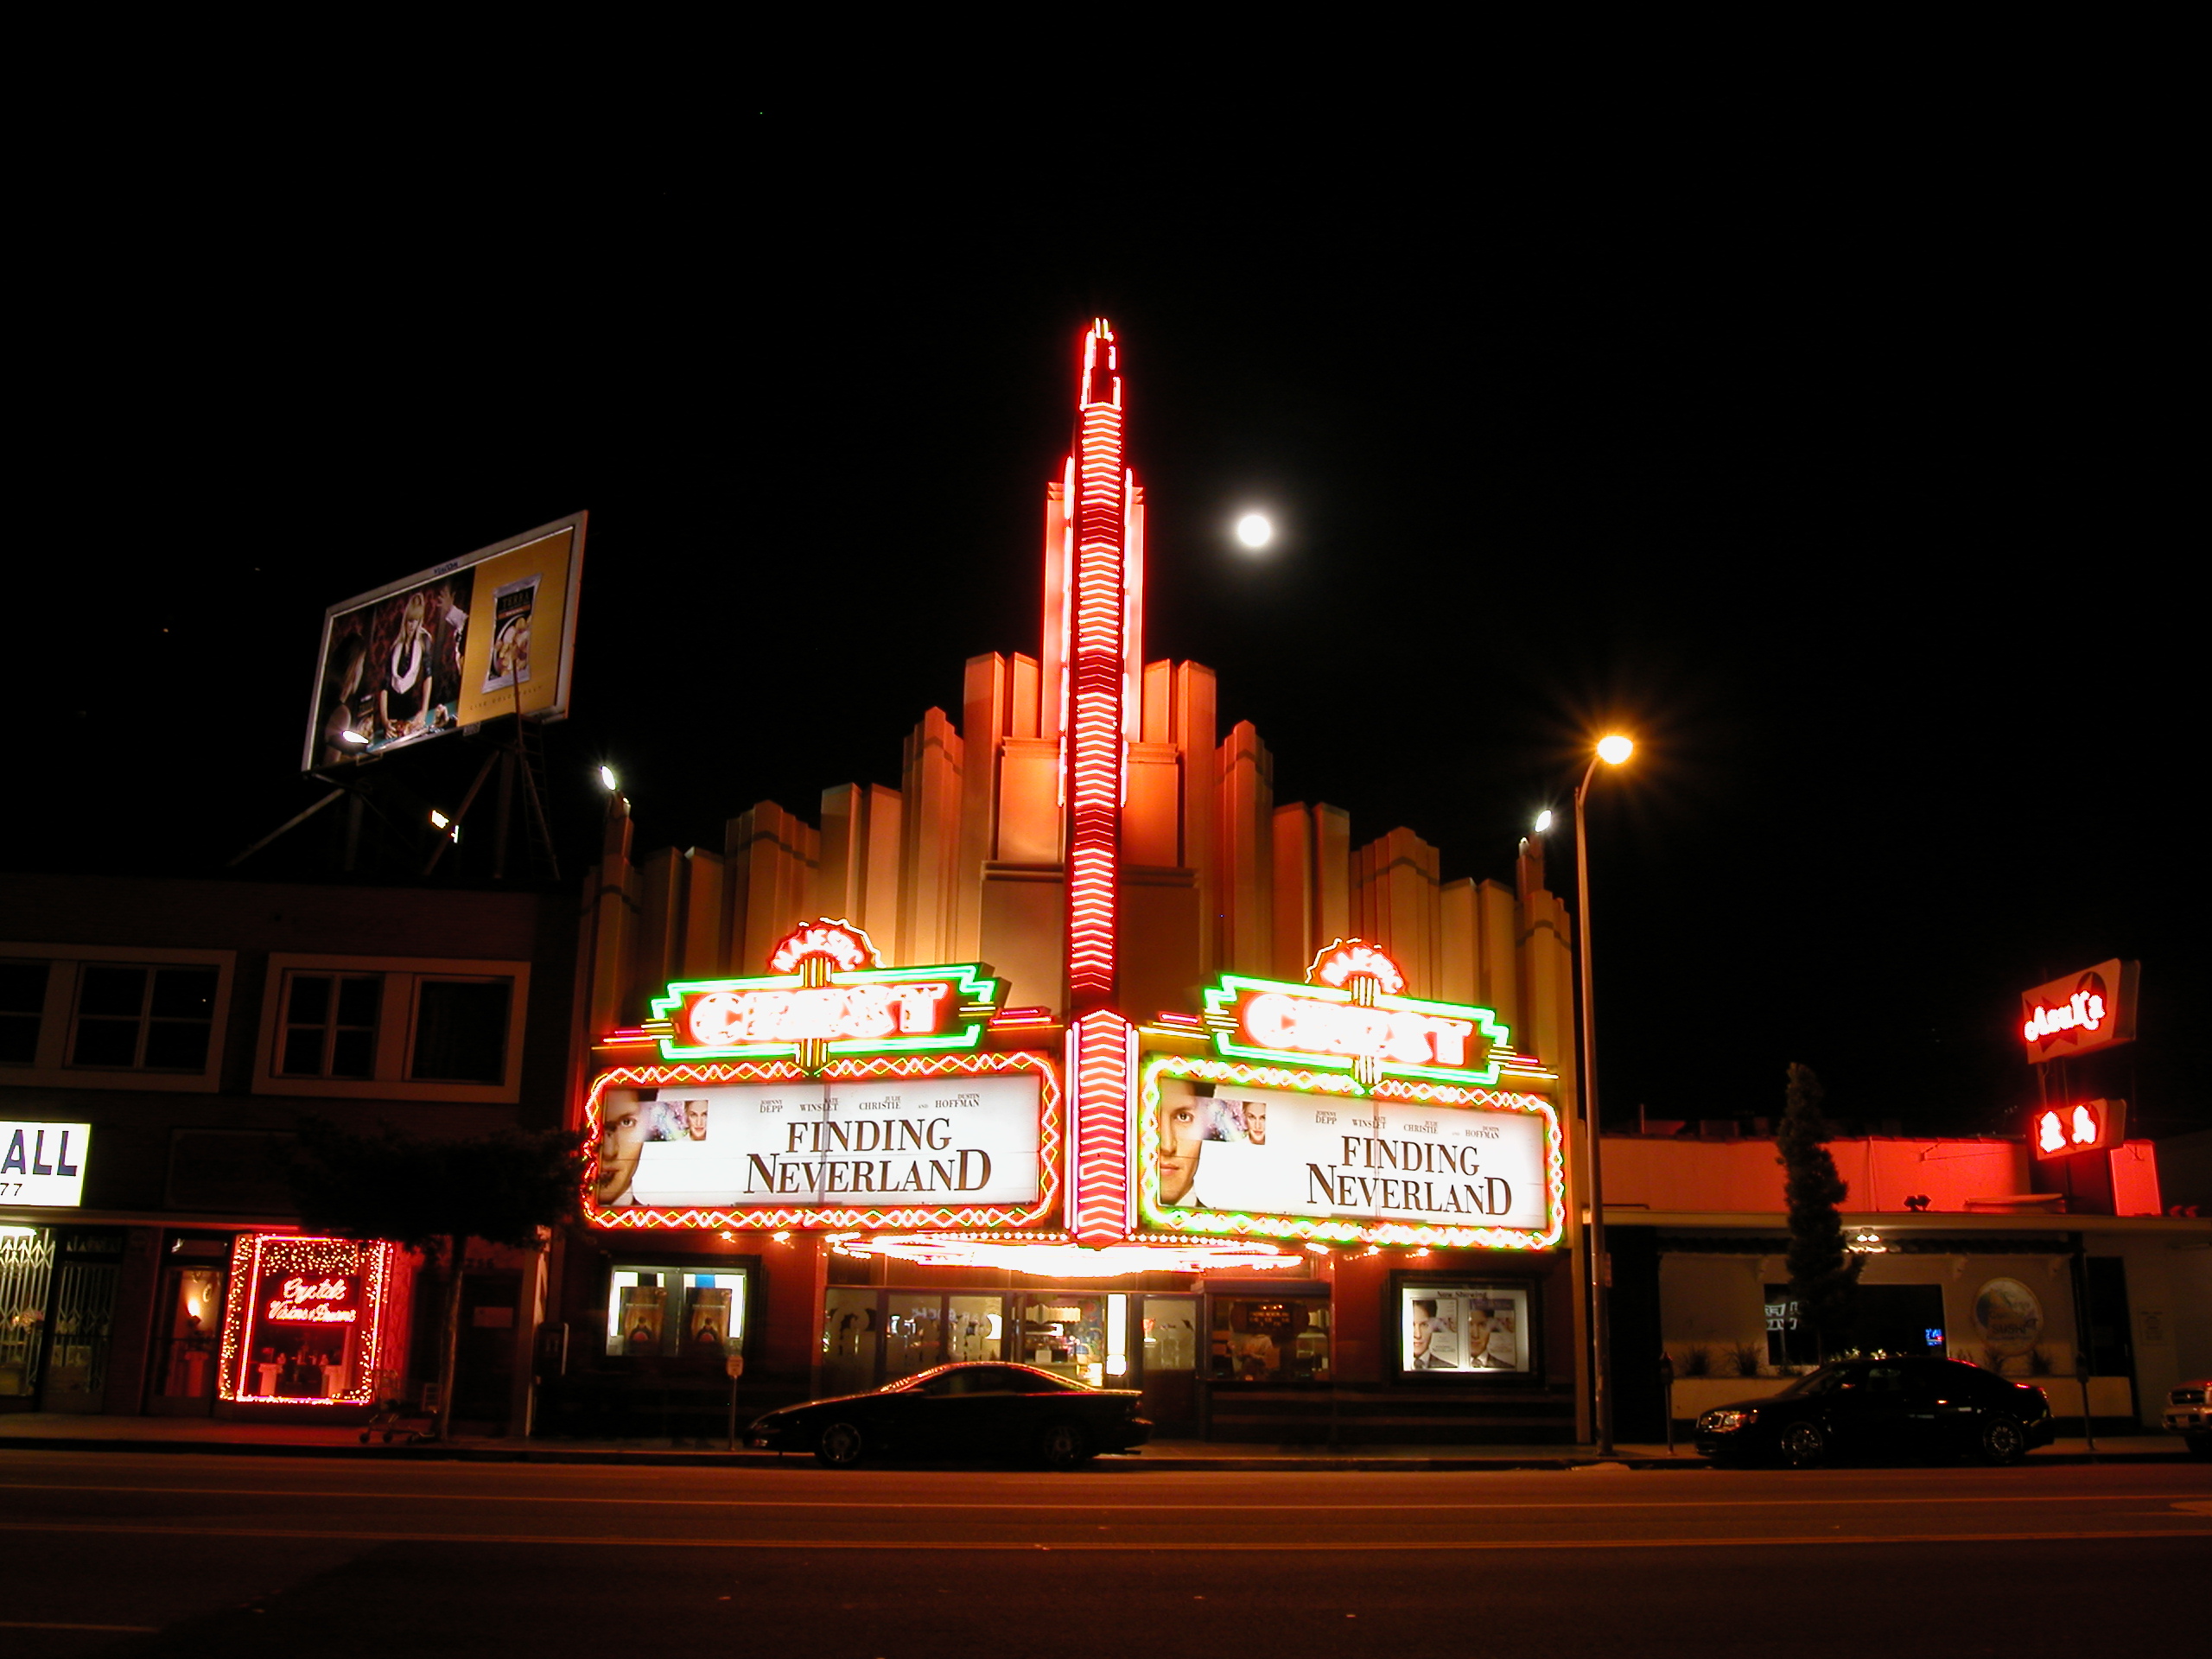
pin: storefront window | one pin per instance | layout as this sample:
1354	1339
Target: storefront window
974	1328
913	1334
306	1320
1065	1334
1790	1339
1457	1326
1269	1339
671	1311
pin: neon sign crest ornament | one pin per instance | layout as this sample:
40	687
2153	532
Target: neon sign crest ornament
828	998
1350	1016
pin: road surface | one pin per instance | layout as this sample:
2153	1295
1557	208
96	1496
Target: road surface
133	1553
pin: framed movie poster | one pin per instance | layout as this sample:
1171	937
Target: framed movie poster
1465	1326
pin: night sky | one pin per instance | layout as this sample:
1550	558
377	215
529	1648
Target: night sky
1854	501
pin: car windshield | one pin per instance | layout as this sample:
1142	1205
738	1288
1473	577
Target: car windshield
1827	1380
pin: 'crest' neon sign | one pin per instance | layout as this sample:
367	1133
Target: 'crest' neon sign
828	998
1349	1016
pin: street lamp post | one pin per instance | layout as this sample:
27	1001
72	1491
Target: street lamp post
1612	750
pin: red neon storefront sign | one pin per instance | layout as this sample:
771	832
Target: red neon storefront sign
311	1321
2084	1011
2086	1126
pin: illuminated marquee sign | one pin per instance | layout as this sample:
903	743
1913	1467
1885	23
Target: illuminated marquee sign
311	1321
1350	1017
974	1141
1229	1150
2084	1011
2087	1126
827	997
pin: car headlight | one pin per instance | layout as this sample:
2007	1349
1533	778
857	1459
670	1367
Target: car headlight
1726	1422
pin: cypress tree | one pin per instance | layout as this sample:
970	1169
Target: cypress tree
1823	1275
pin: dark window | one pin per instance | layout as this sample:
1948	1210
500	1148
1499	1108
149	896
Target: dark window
461	1031
22	1000
154	1019
330	1025
1790	1338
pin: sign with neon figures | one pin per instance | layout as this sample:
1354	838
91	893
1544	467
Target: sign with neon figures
827	997
2087	1126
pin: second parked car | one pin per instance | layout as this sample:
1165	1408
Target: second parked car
1882	1408
983	1410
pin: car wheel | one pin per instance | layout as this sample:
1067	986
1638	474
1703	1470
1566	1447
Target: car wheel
2002	1440
839	1446
1063	1445
1803	1445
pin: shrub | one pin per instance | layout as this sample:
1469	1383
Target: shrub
1748	1356
1697	1361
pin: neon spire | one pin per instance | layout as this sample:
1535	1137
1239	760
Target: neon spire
1099	1039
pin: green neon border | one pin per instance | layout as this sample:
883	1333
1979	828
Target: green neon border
1232	1223
974	987
1220	997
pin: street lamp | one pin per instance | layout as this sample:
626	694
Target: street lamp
1613	749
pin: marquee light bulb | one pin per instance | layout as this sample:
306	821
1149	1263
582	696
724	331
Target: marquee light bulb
1614	748
1254	530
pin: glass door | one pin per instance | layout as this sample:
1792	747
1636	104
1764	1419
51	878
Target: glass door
188	1326
851	1340
1168	1364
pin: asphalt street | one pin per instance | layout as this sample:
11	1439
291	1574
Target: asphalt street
128	1552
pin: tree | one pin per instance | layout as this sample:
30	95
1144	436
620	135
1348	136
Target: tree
434	1197
1823	1275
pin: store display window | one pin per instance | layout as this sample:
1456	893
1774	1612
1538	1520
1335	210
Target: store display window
313	1321
670	1313
1268	1339
1464	1326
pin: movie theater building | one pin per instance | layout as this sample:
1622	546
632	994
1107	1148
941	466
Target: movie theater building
1077	1049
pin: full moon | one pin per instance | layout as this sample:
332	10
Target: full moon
1254	530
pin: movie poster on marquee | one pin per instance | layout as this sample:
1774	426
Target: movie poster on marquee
958	1141
1273	1151
1463	1327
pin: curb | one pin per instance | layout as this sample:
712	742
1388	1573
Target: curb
1133	1464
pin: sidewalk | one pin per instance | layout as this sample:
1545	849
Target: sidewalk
69	1432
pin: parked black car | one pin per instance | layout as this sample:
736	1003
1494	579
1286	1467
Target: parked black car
1883	1408
983	1409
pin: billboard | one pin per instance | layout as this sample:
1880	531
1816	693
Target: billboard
490	633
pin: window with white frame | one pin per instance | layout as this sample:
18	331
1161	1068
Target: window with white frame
407	1029
78	1016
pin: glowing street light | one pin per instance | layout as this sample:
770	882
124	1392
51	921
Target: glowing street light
1613	749
1254	530
1543	820
608	781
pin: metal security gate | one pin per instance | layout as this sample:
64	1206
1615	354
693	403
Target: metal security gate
26	1276
84	1318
